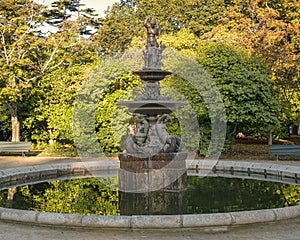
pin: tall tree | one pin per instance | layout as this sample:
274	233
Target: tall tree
62	10
52	98
26	56
248	93
271	30
18	24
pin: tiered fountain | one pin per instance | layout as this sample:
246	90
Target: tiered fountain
152	174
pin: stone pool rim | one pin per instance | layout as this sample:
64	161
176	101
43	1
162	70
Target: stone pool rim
212	220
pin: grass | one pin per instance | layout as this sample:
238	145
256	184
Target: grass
255	149
63	151
57	151
249	151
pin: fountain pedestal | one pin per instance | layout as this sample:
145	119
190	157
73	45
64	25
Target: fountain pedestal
152	174
163	171
152	203
153	185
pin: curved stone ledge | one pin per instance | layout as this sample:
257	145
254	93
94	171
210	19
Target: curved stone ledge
261	171
26	175
41	173
151	221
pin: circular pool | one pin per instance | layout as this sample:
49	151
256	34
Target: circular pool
228	169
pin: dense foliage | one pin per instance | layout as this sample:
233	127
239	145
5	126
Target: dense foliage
89	196
248	92
249	48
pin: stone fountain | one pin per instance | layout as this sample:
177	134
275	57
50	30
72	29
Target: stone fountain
152	174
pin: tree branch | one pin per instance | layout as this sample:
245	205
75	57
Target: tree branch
51	57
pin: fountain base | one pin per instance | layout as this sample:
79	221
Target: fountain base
152	184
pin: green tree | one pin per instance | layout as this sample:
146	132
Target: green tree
111	120
117	30
21	65
248	93
52	96
27	57
52	104
270	30
63	10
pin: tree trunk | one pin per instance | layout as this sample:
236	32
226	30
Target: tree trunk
270	136
15	124
234	132
10	197
11	193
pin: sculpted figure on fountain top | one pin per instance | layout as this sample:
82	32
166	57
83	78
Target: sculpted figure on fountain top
153	53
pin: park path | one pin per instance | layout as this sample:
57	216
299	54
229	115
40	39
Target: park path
283	230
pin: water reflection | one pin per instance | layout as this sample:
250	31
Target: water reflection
92	196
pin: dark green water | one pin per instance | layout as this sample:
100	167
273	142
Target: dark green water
92	196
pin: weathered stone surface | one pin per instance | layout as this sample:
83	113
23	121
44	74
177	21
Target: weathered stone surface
18	215
51	173
152	221
59	219
206	220
286	213
257	216
139	162
106	221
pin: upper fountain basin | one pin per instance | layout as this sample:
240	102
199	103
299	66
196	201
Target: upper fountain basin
148	74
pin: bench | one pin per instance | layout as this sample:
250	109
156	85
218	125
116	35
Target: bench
13	147
283	149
